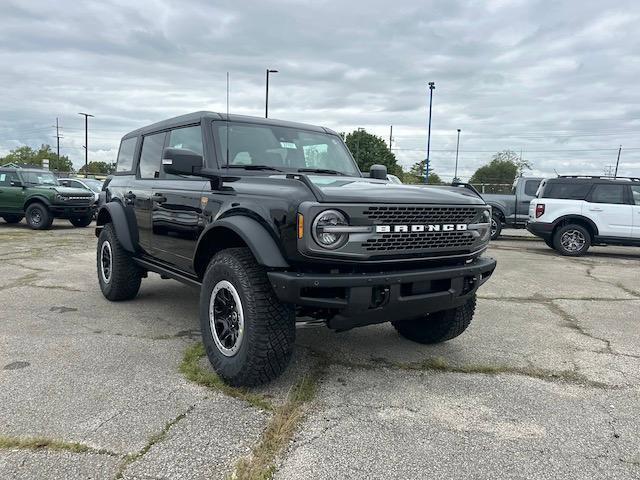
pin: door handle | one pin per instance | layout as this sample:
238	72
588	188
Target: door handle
596	210
159	198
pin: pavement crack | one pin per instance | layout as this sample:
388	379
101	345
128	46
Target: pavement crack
154	439
43	443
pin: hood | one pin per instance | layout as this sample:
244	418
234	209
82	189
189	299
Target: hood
368	190
72	192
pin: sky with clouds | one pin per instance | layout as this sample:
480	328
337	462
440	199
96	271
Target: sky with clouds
557	80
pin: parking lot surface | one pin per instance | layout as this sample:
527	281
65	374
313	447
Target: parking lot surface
545	383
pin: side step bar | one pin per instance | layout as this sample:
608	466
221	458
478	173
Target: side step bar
166	271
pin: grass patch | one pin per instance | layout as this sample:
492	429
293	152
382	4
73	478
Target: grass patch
279	432
41	443
193	371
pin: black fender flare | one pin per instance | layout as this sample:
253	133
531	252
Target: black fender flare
36	198
115	213
254	235
579	218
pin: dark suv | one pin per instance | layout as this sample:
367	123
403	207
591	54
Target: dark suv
272	221
36	194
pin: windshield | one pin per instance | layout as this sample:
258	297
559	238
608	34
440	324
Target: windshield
94	185
282	148
39	178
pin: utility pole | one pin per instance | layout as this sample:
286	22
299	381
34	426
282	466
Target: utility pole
266	97
617	162
58	141
360	129
455	175
390	136
86	142
432	86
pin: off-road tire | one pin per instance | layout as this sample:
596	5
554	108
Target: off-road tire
498	226
38	216
558	236
81	222
13	218
439	326
123	281
265	348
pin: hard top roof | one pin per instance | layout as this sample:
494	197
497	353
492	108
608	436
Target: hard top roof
196	117
591	179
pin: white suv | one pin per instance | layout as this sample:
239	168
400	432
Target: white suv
572	213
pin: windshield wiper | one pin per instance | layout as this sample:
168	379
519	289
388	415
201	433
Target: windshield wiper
253	167
321	170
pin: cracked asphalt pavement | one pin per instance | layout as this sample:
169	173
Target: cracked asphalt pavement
545	383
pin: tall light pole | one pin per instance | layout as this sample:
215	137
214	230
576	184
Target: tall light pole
86	142
432	86
455	175
266	97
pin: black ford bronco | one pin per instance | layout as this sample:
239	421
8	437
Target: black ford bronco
274	221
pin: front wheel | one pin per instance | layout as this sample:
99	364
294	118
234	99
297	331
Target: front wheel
439	326
248	334
81	221
496	227
13	218
572	240
39	217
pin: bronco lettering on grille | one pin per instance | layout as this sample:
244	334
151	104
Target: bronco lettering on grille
446	227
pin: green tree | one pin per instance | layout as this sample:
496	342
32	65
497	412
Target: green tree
416	175
30	156
369	150
98	168
504	167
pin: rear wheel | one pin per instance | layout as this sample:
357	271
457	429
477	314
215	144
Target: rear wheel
13	218
38	216
572	240
248	334
118	274
496	226
439	326
81	221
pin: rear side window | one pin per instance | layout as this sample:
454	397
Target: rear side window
531	187
608	194
151	155
189	138
125	155
568	191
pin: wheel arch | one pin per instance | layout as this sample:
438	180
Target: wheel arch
237	231
36	199
587	223
115	213
497	209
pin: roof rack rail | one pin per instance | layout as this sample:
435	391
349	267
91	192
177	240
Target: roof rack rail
601	177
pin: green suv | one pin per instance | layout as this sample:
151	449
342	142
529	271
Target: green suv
37	195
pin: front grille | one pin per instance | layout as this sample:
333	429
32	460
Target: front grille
412	214
419	241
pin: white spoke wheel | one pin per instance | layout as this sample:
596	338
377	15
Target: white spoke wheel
226	318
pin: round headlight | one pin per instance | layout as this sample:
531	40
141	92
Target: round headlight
321	229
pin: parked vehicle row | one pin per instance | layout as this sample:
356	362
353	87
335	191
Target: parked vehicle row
36	195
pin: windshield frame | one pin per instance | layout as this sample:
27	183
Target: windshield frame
220	156
23	177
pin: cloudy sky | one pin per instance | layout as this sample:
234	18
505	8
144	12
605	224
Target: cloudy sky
557	80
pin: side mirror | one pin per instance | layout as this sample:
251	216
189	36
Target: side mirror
181	161
378	171
65	183
16	183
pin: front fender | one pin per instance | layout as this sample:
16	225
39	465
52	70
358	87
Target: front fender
126	231
255	236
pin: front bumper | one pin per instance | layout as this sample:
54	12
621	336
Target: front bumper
368	298
543	230
69	211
